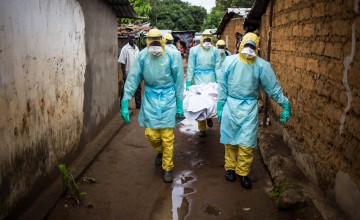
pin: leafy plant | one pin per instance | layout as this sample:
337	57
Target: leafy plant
213	19
177	15
168	14
70	187
142	9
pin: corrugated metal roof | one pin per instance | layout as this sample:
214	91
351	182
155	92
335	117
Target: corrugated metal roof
240	11
253	19
122	8
230	12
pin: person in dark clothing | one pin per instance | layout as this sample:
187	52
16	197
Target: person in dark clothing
238	37
127	56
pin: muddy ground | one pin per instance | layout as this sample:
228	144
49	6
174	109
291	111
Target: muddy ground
129	185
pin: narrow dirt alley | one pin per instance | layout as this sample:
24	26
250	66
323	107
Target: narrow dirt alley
130	186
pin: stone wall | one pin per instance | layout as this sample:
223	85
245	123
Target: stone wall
234	25
314	52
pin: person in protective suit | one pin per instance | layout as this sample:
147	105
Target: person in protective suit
163	74
170	41
241	78
203	67
220	45
170	44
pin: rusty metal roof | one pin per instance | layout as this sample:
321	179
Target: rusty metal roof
230	12
122	8
253	19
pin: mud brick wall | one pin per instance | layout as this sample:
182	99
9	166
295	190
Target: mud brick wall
315	55
234	25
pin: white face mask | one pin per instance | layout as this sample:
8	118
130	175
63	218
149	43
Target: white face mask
248	52
206	45
155	50
222	51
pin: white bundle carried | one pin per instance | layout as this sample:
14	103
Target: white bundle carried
200	101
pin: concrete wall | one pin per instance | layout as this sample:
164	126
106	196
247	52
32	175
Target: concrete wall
101	75
315	54
58	88
42	57
233	26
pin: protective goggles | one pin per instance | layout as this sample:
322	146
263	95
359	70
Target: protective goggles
250	44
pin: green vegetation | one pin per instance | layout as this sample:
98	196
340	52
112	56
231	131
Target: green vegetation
214	18
168	14
178	15
142	8
278	189
71	189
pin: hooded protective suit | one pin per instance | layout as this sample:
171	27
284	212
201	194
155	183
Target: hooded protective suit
169	42
164	87
163	74
223	52
241	78
203	64
203	67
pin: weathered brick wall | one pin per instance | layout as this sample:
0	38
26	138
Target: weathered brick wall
234	25
314	52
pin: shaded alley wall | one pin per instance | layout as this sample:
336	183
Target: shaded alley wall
101	100
315	54
58	88
42	60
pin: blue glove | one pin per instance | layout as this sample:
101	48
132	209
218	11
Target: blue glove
286	113
188	84
125	111
179	109
220	106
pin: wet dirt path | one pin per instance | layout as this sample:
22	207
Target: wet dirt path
129	186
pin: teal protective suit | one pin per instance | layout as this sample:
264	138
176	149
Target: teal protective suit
164	87
238	91
203	65
223	56
172	46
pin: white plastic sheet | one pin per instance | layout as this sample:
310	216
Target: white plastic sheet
200	101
